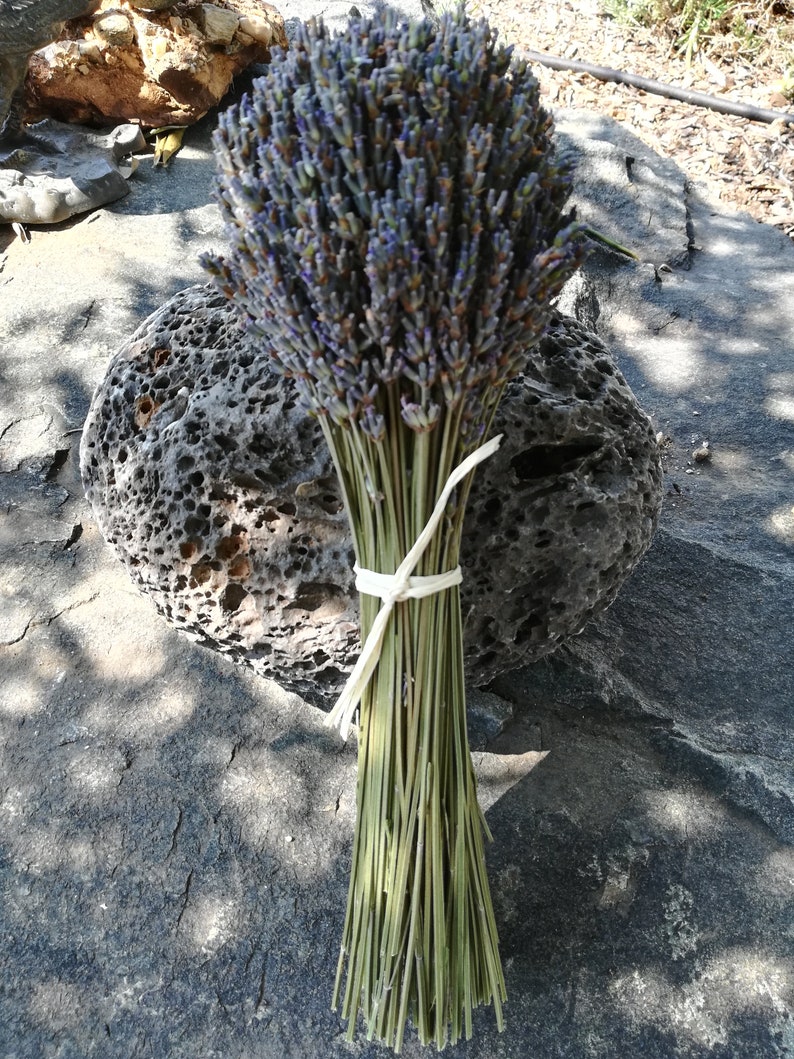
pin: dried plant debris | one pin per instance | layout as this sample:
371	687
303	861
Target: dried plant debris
747	165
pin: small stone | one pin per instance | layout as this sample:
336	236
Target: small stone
256	28
701	453
218	24
114	28
690	470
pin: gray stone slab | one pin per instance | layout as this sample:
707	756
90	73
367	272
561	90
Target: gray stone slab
175	834
720	678
706	340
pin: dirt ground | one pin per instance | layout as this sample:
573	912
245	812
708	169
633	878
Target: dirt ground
746	164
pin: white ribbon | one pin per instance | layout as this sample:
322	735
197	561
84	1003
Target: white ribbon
398	587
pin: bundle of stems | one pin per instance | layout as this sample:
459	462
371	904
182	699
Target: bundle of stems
420	936
395	215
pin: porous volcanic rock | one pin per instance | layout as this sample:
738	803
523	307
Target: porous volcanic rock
217	492
159	67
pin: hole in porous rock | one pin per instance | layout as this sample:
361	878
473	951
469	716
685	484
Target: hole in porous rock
486	637
196	478
196	525
122	456
201	574
184	463
286	509
189	550
544	461
330	504
490	510
527	630
228	547
312	595
240	568
145	408
247	481
160	356
233	596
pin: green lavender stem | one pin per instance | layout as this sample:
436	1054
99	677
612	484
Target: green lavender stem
396	222
420	938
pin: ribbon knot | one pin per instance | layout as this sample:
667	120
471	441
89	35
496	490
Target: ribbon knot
399	587
398	593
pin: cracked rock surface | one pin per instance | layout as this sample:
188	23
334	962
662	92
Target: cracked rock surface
218	493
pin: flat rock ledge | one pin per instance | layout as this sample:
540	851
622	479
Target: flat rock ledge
62	171
216	491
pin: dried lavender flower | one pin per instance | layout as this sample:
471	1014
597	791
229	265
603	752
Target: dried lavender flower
395	217
394	211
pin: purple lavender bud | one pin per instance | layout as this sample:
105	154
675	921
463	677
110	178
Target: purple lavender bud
394	190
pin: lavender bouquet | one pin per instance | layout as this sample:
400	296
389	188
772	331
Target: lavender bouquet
395	217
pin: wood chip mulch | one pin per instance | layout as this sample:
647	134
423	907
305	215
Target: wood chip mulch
746	164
